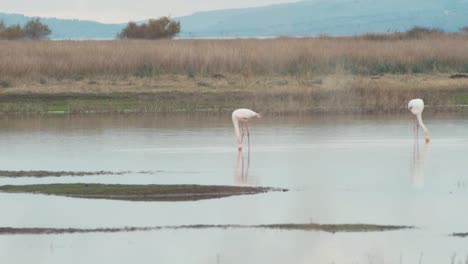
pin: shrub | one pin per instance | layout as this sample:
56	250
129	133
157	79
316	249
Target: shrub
145	70
419	32
12	32
34	29
5	83
163	27
464	30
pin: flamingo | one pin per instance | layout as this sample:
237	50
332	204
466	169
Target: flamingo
416	106
243	116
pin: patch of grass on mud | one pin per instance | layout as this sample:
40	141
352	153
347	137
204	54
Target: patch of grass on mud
136	192
304	227
459	235
41	173
336	227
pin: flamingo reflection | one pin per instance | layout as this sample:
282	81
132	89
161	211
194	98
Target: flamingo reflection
417	165
241	172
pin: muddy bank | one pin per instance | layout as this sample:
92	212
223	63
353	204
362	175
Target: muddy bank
136	192
337	227
462	235
304	227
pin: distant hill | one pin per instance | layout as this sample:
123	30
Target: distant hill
309	17
331	17
69	28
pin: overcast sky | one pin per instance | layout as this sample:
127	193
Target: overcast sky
112	11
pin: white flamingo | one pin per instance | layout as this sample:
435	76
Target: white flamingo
243	116
416	106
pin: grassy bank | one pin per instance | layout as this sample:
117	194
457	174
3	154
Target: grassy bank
136	192
337	93
362	74
43	173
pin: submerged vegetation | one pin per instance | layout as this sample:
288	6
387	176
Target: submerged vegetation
331	228
180	192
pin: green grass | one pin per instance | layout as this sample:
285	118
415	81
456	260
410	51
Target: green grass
365	100
461	98
135	192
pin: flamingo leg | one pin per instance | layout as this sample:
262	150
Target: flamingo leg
417	130
242	175
242	137
248	134
414	141
417	137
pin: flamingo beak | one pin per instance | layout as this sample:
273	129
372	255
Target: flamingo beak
428	140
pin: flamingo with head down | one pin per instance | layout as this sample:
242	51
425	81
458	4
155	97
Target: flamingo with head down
241	117
416	106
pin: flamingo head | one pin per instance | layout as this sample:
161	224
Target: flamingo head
258	115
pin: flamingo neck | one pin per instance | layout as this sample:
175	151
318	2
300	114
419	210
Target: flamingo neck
236	129
426	131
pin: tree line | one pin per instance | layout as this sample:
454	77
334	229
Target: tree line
163	27
33	29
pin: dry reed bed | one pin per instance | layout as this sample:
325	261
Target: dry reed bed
323	55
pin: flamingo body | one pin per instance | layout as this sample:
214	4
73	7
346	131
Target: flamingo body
416	106
242	116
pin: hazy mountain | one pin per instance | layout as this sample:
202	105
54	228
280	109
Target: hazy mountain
69	28
332	17
310	17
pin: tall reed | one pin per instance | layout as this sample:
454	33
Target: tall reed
280	56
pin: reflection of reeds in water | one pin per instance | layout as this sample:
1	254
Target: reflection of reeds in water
418	164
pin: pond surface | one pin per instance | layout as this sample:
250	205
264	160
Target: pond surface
340	169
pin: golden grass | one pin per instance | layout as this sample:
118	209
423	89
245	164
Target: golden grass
359	74
237	83
246	57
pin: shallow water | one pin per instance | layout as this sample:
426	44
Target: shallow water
340	169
